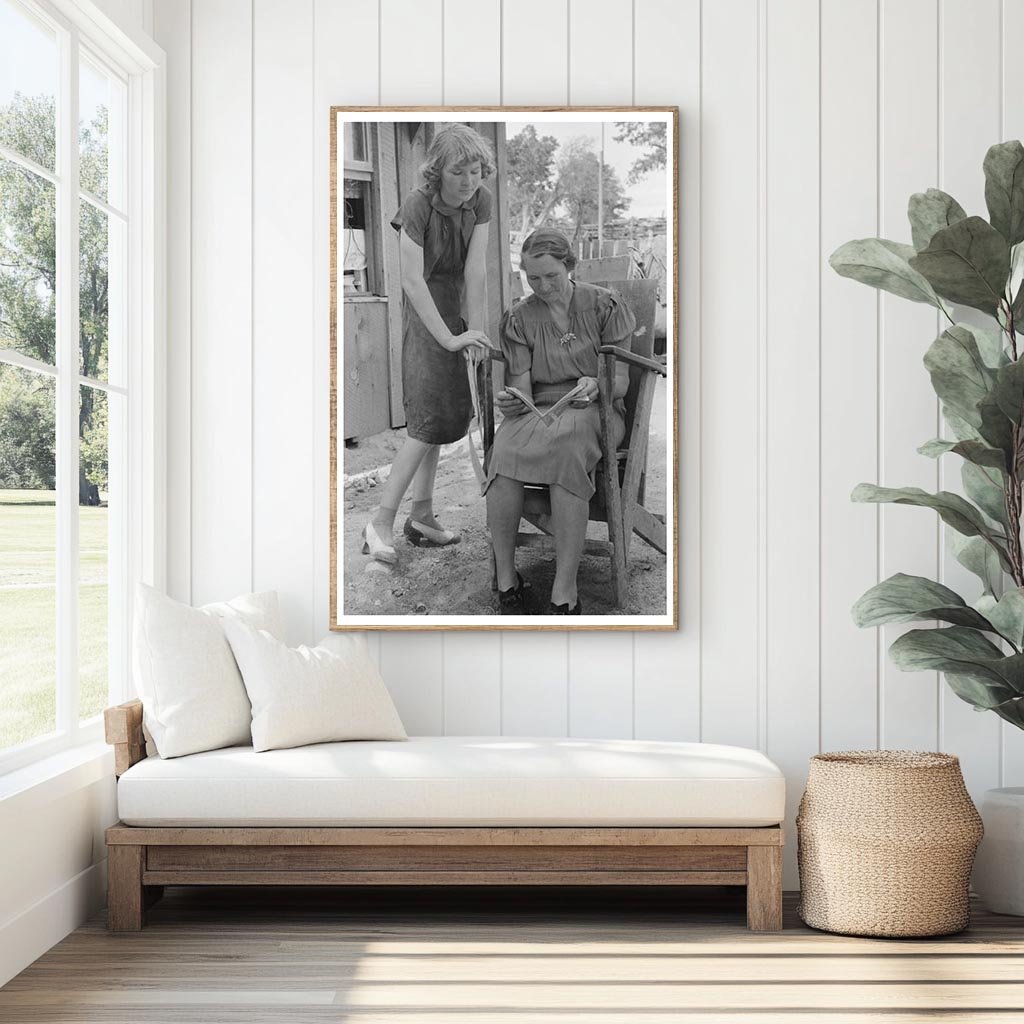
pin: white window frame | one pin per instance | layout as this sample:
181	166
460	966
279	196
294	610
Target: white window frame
141	64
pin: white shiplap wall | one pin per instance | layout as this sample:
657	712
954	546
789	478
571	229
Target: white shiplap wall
804	123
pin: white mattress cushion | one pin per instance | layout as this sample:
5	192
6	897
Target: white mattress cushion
459	781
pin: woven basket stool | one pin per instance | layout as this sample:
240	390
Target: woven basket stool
885	843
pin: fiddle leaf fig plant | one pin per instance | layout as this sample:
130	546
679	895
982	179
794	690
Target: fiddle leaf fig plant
978	375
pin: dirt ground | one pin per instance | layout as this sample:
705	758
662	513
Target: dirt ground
456	580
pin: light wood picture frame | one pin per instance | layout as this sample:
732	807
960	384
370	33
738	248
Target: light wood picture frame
607	179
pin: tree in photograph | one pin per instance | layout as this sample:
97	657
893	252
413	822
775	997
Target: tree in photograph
647	135
28	260
532	186
577	187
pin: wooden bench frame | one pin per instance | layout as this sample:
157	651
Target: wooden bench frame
142	860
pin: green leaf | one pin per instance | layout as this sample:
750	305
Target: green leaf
883	264
967	263
995	428
961	429
964	652
1006	614
973	451
953	509
985	487
958	372
1009	390
976	555
990	345
932	211
903	598
982	693
1004	189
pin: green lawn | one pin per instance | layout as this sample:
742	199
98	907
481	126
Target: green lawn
28	615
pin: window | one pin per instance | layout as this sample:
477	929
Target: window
360	275
76	245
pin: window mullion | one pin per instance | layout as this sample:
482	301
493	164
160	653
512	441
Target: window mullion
67	386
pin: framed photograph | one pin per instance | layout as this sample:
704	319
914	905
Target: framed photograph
504	353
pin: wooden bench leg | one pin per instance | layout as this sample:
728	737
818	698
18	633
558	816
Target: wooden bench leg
125	897
764	888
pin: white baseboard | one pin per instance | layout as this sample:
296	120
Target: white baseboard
28	936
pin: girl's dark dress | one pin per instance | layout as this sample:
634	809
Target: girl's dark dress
438	406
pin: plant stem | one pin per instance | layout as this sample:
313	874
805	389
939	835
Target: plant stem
1012	498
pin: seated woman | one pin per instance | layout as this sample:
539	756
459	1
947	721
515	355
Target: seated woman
550	341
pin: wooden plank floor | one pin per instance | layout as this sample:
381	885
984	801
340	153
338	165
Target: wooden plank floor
219	956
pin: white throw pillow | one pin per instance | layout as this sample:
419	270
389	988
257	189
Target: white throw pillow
192	693
309	694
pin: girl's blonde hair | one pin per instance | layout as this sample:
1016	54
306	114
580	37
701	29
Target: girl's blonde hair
457	144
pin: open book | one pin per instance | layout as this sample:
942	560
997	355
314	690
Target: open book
547	415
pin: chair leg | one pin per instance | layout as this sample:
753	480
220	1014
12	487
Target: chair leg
125	896
764	888
613	495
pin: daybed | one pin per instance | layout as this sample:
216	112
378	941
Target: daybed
444	811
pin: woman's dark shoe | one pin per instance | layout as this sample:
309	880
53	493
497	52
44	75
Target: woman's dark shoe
424	536
515	600
564	609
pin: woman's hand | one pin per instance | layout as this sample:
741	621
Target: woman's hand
468	339
588	395
509	405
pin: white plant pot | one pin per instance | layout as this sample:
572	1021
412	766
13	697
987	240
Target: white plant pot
998	877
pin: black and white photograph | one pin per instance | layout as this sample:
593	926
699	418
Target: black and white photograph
504	368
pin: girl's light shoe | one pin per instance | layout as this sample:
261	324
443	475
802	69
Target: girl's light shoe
376	548
424	536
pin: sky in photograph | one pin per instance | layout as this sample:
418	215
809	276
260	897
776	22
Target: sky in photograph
648	195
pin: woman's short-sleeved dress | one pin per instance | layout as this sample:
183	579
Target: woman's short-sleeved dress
438	406
566	450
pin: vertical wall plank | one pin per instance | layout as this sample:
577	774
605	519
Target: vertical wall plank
909	416
1012	127
472	684
411	68
221	528
172	29
534	688
413	673
601	52
353	81
666	666
472	73
600	685
969	124
793	388
283	308
729	385
534	670
849	372
601	667
534	64
472	52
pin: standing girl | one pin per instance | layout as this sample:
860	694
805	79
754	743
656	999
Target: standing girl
443	246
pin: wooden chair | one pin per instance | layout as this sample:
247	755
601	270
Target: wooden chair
619	498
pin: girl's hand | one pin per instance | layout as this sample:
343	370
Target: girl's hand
509	405
474	339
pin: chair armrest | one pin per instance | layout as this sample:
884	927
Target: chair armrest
627	357
122	729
